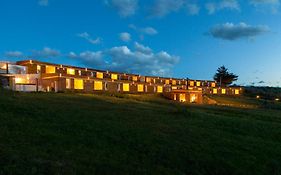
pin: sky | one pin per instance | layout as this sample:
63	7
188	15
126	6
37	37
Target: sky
171	38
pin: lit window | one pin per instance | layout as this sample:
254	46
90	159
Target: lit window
215	91
174	82
174	87
159	89
237	92
68	83
114	76
126	87
78	84
21	81
148	80
191	83
38	68
182	98
135	78
198	83
3	66
50	69
223	91
193	98
79	72
99	75
140	88
98	85
167	81
213	84
70	71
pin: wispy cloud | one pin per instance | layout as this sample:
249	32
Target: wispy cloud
193	9
144	30
88	37
142	60
164	7
14	54
213	7
261	5
46	52
124	8
230	31
43	2
125	36
161	8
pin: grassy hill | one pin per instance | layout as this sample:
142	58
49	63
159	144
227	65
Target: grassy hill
92	134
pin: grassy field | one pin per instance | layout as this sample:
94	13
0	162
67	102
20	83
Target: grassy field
91	134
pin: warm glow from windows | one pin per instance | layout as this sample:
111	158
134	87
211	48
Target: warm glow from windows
140	88
50	69
174	87
135	78
98	86
78	84
198	83
191	83
215	91
213	84
148	80
3	66
68	83
182	98
223	91
114	76
99	75
38	68
174	82
21	81
126	87
193	98
167	81
237	92
159	89
70	71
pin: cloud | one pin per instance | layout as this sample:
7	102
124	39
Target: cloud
143	49
261	5
14	54
262	2
88	37
124	8
142	60
43	2
192	9
164	7
149	31
126	37
213	7
91	58
46	52
230	31
144	31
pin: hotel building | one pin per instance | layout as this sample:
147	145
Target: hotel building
32	75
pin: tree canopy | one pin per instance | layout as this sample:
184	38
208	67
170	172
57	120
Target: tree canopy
224	77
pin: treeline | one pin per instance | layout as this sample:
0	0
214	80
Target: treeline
269	93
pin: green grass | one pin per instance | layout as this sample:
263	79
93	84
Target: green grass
129	134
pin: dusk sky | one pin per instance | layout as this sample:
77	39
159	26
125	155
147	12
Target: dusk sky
173	38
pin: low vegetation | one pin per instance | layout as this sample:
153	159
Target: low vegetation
128	134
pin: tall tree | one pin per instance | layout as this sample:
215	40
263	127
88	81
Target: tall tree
224	77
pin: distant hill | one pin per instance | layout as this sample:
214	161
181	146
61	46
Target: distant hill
269	93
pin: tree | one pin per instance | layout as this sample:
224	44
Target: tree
224	77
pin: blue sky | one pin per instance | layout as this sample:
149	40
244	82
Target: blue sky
179	38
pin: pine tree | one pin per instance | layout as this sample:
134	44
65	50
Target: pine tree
224	77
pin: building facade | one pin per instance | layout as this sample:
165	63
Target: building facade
32	75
